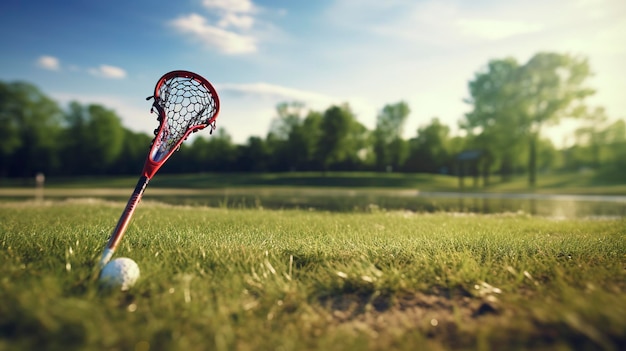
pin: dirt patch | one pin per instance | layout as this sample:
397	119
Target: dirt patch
449	316
455	319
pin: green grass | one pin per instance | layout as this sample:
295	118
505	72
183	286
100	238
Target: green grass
563	183
253	279
557	183
243	180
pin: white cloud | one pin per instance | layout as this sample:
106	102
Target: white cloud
236	20
232	27
49	62
274	91
237	6
107	71
228	42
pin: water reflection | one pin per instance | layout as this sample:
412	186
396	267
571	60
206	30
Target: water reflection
344	200
559	206
542	207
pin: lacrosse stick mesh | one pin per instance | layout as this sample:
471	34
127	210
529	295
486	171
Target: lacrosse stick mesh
184	103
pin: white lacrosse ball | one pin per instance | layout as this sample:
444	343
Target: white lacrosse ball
120	273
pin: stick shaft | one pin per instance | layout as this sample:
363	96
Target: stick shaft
124	220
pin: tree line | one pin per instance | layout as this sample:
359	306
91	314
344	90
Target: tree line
511	103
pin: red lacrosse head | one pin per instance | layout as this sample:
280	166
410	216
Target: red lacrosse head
185	102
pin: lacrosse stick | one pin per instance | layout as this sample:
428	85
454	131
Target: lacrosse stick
185	103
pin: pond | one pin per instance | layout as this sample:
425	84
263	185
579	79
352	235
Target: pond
565	206
362	200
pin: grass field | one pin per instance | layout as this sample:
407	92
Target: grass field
254	279
557	183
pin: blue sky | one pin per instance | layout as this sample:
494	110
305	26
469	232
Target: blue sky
367	53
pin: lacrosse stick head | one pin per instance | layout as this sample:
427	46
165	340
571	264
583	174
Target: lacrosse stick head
185	103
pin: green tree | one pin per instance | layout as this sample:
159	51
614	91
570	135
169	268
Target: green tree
204	153
288	117
106	137
616	132
390	148
135	149
302	142
215	153
614	161
9	133
94	139
357	145
341	138
512	103
254	156
549	158
551	88
294	137
600	145
430	149
193	157
75	158
494	126
30	130
593	135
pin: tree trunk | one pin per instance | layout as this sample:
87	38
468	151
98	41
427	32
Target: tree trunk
506	169
532	161
485	170
461	172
